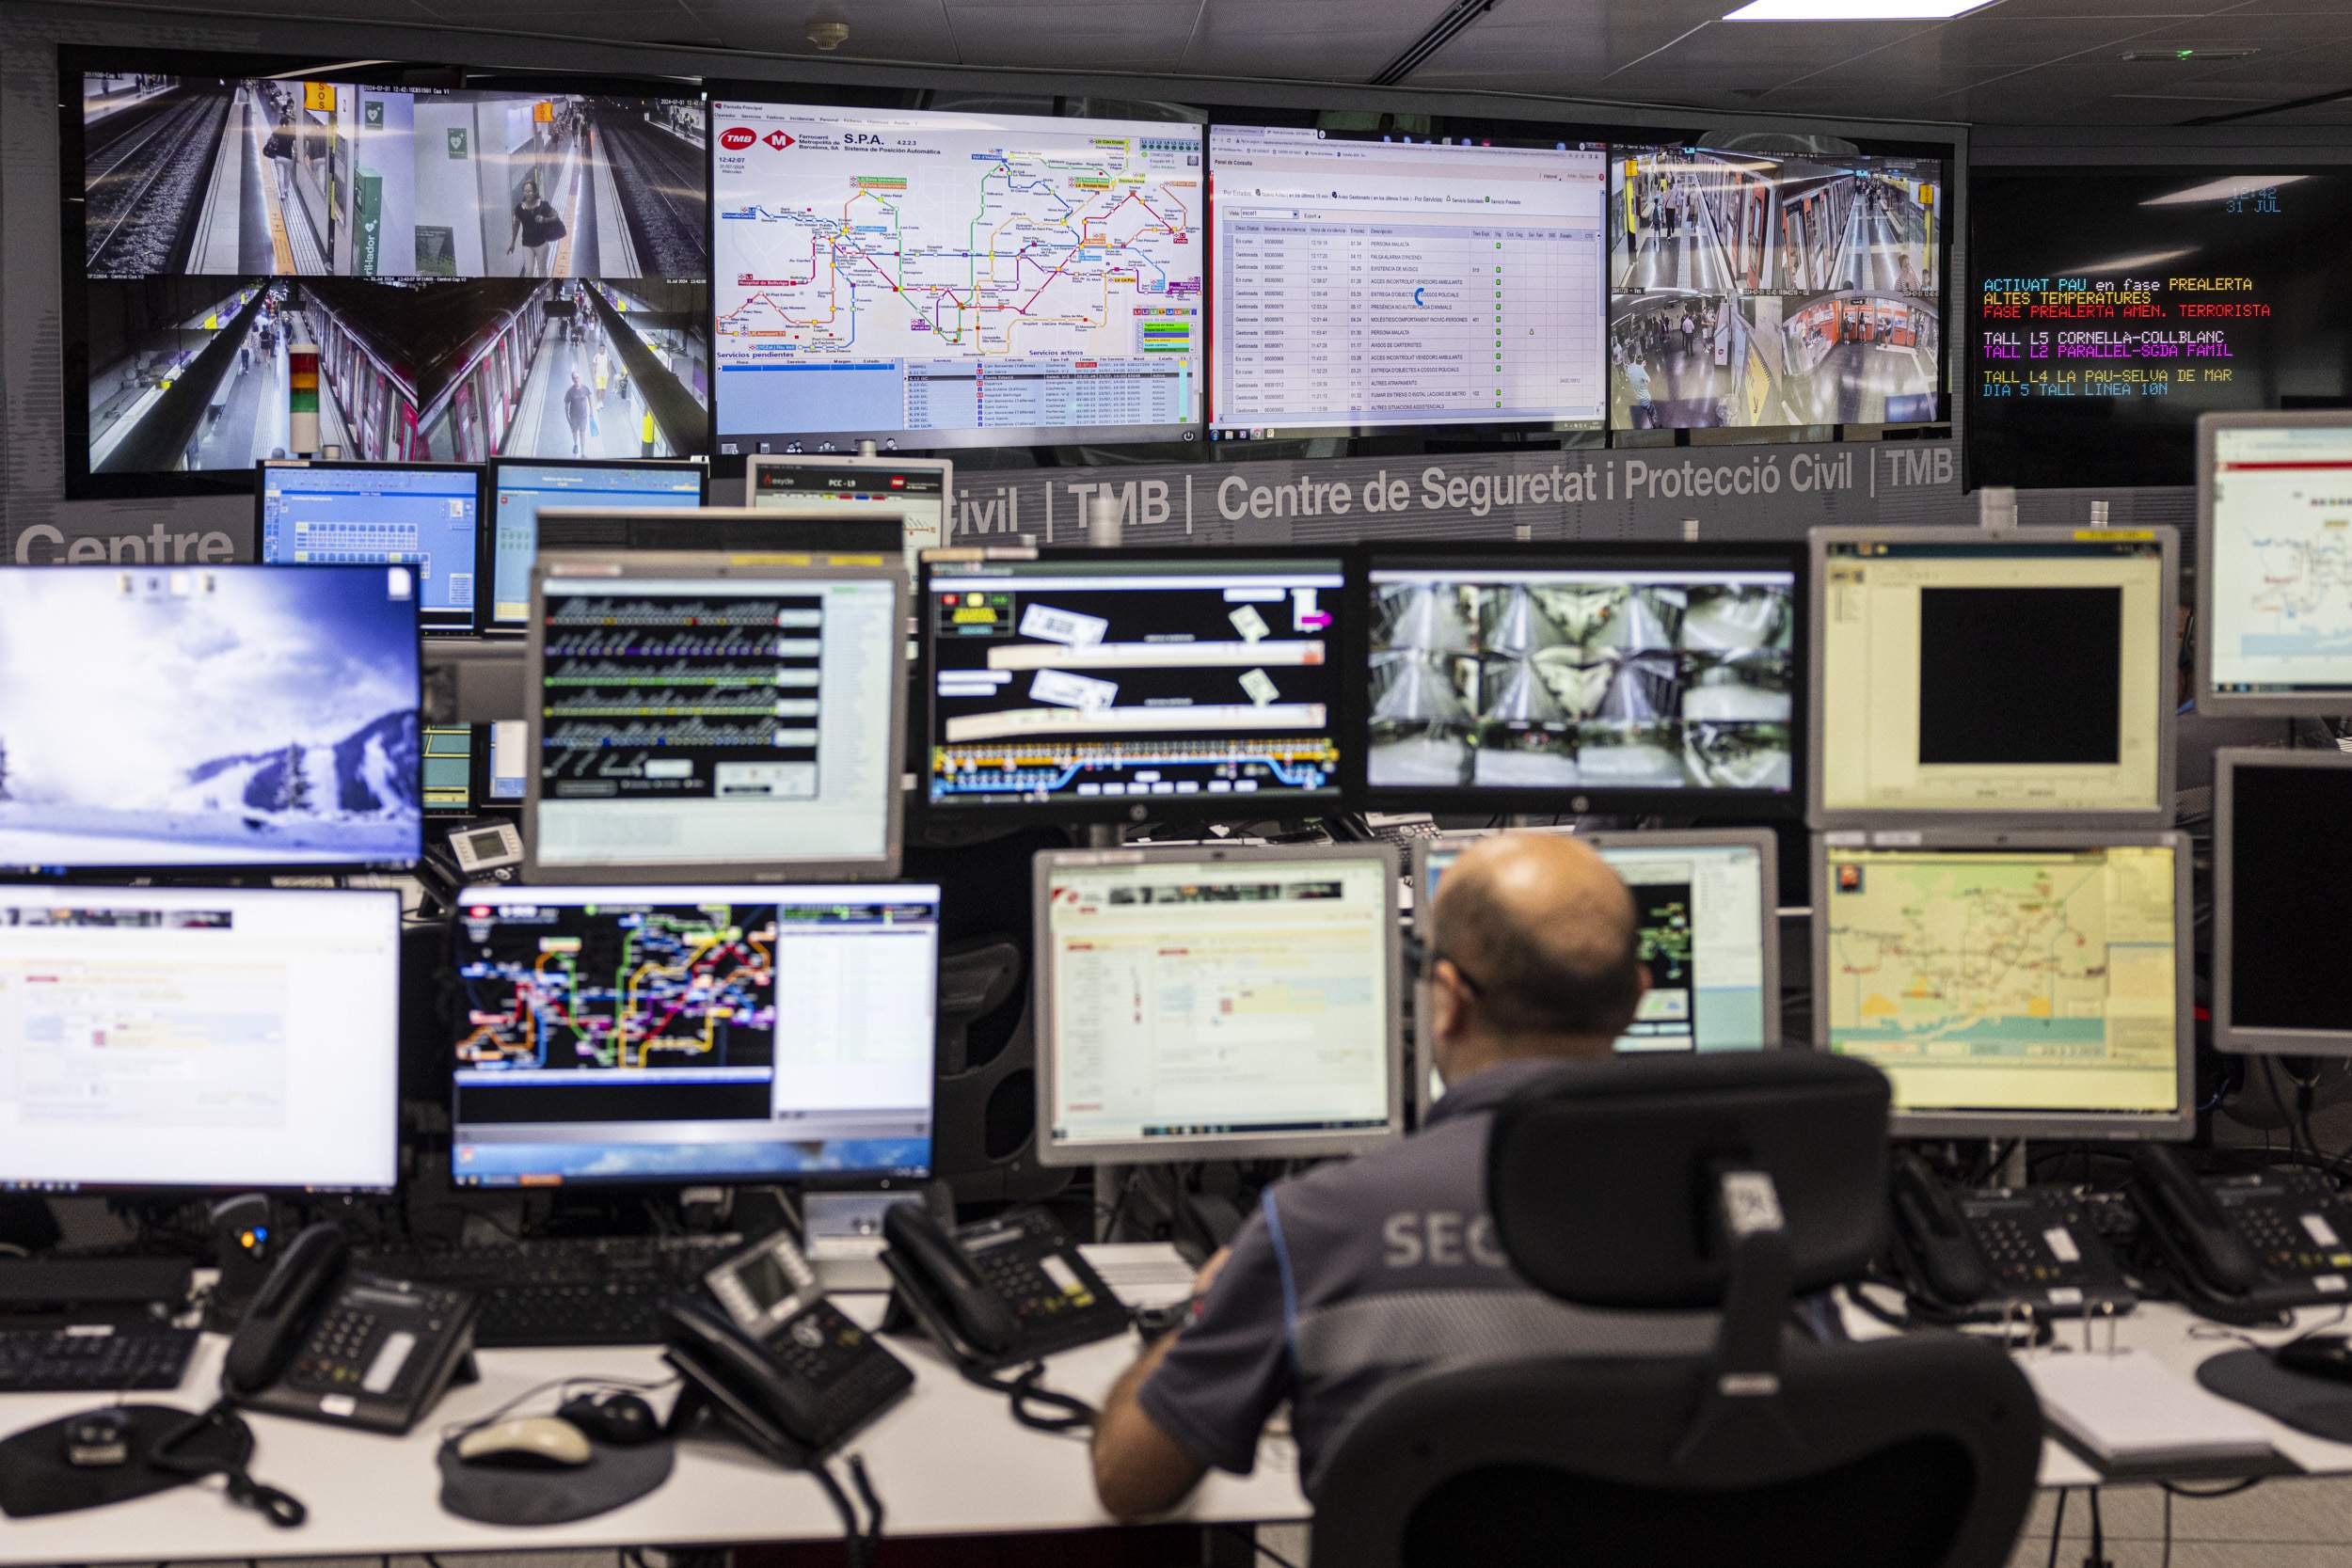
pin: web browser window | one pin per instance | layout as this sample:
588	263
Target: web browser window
2282	552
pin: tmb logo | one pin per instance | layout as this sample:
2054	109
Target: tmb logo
735	138
777	139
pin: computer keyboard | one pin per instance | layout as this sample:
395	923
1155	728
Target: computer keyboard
93	1359
598	1291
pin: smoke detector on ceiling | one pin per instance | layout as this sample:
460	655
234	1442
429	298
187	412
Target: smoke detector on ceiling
2177	56
828	36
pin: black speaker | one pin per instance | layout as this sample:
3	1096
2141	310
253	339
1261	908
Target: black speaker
984	1126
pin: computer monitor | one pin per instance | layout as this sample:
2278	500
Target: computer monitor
702	712
1076	685
200	1038
507	780
2011	983
691	1034
226	717
2281	875
1216	1004
449	770
423	515
2274	565
2015	676
739	529
919	490
1709	935
1585	677
521	486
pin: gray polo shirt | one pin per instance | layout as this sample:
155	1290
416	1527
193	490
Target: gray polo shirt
1360	1274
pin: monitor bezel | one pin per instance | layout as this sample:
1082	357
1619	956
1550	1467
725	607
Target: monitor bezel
1575	555
2228	1036
203	870
387	900
492	625
1762	841
828	1179
433	624
1202	807
2153	817
2212	701
2175	1126
1281	1146
622	567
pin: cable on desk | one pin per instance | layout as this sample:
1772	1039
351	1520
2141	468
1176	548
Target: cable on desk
853	1540
1248	1536
865	1483
1074	1414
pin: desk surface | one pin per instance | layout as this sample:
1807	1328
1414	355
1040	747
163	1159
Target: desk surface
947	1461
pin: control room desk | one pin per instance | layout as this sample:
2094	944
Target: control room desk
947	1460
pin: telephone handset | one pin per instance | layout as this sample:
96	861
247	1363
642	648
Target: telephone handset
1000	1293
1982	1255
2251	1242
326	1344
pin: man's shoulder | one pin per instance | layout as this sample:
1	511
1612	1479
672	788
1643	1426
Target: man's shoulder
1441	1162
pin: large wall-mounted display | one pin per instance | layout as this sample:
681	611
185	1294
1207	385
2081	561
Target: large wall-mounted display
2113	305
1749	291
464	257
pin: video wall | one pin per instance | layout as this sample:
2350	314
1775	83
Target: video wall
504	266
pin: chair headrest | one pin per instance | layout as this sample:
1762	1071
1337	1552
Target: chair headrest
1603	1176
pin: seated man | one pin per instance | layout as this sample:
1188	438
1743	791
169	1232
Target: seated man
1363	1273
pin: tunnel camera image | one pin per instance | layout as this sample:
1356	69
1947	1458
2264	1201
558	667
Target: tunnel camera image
1750	292
1581	683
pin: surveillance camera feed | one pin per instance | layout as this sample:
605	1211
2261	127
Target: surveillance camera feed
434	273
1751	290
1594	677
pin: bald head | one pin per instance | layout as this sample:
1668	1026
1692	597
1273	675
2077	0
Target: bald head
1544	934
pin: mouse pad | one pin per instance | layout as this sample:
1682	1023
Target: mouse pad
495	1495
35	1480
2318	1405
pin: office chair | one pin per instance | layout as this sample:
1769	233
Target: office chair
1732	1184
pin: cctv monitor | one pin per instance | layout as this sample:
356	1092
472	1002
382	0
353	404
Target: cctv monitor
1582	677
223	718
426	517
2274	565
521	486
2006	677
673	1035
702	712
918	491
2282	874
1216	1004
200	1038
1077	684
2011	983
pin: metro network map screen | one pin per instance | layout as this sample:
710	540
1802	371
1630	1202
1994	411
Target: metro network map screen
982	280
2282	593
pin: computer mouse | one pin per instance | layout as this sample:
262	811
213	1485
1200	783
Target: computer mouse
2318	1355
527	1443
98	1439
616	1417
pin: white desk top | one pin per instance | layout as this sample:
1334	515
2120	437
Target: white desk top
947	1460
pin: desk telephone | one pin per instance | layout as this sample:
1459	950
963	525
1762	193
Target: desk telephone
1980	1255
1000	1293
782	1369
2248	1242
328	1344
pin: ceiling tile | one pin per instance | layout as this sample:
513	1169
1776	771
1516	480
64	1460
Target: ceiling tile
2156	11
1327	55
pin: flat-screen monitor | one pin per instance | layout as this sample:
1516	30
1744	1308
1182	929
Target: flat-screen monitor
2281	868
426	517
1709	936
486	263
199	1038
2114	305
226	718
2023	983
507	781
935	278
1587	677
1753	290
519	488
448	778
1362	283
674	1035
1996	675
914	494
707	713
1207	1004
1133	685
2274	565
